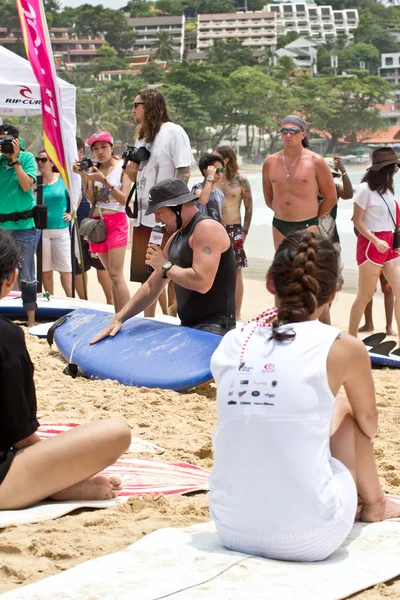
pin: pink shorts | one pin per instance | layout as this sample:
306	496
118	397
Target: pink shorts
117	233
367	251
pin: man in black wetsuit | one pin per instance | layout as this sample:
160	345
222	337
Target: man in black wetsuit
198	258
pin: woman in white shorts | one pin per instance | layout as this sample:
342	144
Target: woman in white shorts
56	238
288	450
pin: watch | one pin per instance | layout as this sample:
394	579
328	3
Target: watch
210	178
165	268
16	162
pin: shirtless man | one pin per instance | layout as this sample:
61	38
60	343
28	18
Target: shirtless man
292	179
236	189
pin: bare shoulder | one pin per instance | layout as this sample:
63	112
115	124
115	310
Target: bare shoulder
271	159
348	350
212	231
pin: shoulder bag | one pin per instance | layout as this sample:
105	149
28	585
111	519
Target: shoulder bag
94	230
396	232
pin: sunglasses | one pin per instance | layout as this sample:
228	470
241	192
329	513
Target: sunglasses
136	104
220	170
291	130
41	160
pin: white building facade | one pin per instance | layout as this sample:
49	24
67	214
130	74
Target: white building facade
390	67
147	28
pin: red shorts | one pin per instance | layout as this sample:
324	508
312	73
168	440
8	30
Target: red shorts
117	233
367	251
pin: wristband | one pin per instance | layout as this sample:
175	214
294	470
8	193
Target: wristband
15	163
246	231
344	173
110	189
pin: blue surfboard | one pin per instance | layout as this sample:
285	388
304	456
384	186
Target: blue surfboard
146	352
48	308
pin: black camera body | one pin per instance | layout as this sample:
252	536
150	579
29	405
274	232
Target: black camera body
86	163
6	144
133	154
396	238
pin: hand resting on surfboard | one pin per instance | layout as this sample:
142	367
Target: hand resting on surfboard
110	331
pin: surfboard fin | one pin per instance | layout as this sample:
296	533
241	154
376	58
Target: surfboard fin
396	352
383	349
52	330
72	370
374	339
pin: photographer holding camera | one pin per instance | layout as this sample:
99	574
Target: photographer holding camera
17	177
106	186
170	156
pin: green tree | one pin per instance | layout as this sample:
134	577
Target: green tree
229	55
375	21
341	107
139	8
107	60
164	47
151	73
187	110
284	40
10	20
259	100
108	112
352	56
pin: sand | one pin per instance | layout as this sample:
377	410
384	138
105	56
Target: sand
180	422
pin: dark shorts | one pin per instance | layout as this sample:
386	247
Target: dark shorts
140	241
89	259
235	234
6	458
286	227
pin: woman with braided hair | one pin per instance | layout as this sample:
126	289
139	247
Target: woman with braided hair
290	453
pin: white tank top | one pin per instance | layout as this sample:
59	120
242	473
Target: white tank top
104	198
271	475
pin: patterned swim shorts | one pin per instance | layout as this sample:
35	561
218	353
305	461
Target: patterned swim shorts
235	233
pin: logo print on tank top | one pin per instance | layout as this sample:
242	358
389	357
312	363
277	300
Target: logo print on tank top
242	393
244	368
268	368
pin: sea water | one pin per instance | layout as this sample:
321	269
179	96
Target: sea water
259	245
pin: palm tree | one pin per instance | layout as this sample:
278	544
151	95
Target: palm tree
164	47
107	111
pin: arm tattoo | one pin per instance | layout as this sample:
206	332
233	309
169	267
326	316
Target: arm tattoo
183	173
207	250
248	202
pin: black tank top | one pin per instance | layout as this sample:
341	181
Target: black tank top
218	304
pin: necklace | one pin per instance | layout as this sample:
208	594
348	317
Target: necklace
293	163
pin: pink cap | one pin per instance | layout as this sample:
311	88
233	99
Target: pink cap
100	136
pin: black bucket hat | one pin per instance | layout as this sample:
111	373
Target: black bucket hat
168	192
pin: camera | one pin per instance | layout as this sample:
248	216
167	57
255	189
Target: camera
133	154
86	163
6	146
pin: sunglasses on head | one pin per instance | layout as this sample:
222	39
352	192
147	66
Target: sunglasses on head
40	159
291	130
136	104
220	170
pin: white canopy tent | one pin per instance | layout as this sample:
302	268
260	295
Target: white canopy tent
20	96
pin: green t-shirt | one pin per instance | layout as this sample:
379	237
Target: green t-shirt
55	197
12	196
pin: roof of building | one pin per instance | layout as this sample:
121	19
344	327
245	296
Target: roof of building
390	135
239	15
154	21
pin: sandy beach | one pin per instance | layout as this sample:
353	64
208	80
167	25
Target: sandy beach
180	422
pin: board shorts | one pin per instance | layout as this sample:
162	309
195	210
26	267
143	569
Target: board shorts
117	233
56	248
140	241
89	259
366	251
235	234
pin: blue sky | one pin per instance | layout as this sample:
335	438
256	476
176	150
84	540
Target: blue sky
105	3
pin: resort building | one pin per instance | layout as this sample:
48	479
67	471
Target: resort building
310	20
147	28
390	67
254	29
69	50
303	53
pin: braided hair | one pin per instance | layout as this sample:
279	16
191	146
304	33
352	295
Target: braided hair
304	272
9	255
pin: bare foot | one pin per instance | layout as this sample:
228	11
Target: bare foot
95	488
387	508
390	331
366	329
